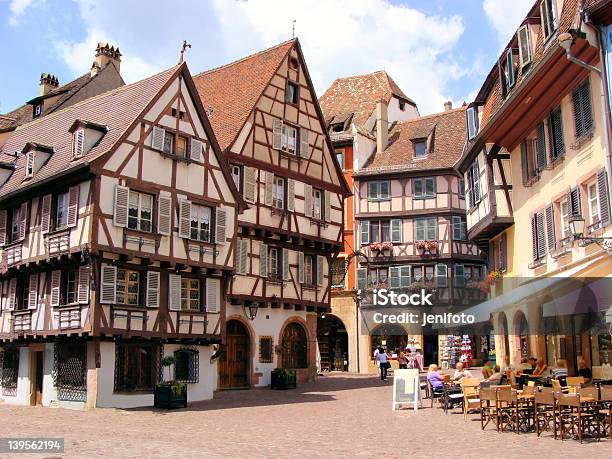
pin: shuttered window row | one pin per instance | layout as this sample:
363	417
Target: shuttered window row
275	264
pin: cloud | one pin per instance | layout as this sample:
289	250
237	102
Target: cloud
17	9
505	16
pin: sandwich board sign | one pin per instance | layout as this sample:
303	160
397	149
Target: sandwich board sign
406	388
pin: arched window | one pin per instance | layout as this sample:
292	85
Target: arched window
294	347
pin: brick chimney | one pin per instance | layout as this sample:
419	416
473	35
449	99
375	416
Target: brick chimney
48	82
105	53
448	105
382	126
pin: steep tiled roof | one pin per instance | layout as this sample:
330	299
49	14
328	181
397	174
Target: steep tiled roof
115	109
445	133
358	94
232	90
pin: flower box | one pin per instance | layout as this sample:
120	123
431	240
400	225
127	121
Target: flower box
283	378
170	395
381	246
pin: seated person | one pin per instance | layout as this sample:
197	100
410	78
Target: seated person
507	364
461	372
434	378
496	376
525	364
540	368
486	370
584	371
560	371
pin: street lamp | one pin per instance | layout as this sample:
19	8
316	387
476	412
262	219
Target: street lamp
576	225
250	310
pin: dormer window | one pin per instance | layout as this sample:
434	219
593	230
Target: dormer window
37	110
524	45
420	148
78	143
547	16
402	105
29	170
471	115
85	136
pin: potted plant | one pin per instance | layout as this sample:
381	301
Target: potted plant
170	394
421	245
431	245
283	378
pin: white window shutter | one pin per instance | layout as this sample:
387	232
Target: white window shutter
242	248
152	298
120	214
78	145
29	171
108	284
164	215
320	266
250	183
263	260
396	230
307	200
290	195
268	189
45	218
12	292
184	218
213	289
157	139
56	279
33	292
604	197
174	292
301	267
23	223
277	128
285	264
304	147
195	150
220	226
3	227
73	206
327	204
83	286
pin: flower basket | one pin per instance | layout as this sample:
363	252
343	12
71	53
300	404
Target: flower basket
283	379
421	245
431	245
381	246
170	395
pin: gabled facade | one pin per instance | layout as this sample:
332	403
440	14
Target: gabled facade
265	114
117	223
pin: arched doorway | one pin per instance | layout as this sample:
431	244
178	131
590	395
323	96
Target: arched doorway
294	347
389	336
521	329
333	343
234	364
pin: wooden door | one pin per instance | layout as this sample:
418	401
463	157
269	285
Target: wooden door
234	364
38	378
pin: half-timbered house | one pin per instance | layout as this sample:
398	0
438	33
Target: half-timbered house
117	227
265	114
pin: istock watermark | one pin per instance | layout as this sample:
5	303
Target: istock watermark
384	297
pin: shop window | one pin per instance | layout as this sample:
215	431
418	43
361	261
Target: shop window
265	349
137	366
187	366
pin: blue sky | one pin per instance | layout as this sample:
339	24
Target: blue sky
435	50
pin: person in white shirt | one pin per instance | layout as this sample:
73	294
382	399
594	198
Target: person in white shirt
461	372
383	363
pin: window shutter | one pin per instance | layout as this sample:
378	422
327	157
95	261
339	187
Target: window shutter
79	137
29	172
365	232
195	150
184	218
404	274
23	220
550	227
573	201
277	128
320	264
510	68
263	260
587	115
108	285
268	189
362	278
470	123
12	292
557	147
524	45
285	264
242	247
33	291
56	279
250	183
301	267
157	139
525	162
503	250
307	200
394	281
534	238
152	298
304	147
45	219
476	184
441	275
220	226
164	215
327	204
540	147
3	227
73	206
174	292
604	197
83	286
577	112
541	235
120	215
290	195
396	230
213	288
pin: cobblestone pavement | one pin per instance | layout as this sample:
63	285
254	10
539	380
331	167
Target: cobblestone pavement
338	416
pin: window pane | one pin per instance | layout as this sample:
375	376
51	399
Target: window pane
429	187
419	149
181	146
168	141
374	232
373	190
385	236
384	190
418	188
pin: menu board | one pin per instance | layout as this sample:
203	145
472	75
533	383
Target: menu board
406	388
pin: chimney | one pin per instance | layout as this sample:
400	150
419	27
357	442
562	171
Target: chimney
382	126
448	105
105	53
48	82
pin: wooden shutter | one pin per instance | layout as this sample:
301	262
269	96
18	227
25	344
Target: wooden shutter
396	230
83	285
573	203
250	183
164	215
394	280
541	235
29	172
23	220
525	162
152	298
73	206
327	206
285	261
290	195
540	147
157	139
12	294
441	275
195	150
555	130
550	227
365	232
304	147
220	225
585	99
184	218
33	291
277	129
242	248
56	279
307	200
534	238
476	180
362	278
213	287
268	188
108	284
503	251
3	215
301	267
320	267
604	197
78	139
45	219
120	213
263	260
174	292
524	45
